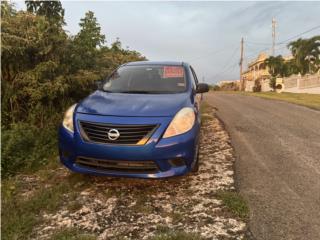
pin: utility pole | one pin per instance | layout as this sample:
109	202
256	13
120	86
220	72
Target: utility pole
273	36
240	63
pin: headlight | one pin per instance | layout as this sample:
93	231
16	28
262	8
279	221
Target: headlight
68	118
182	122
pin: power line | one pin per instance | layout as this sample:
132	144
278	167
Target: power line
233	66
227	67
284	41
298	35
229	59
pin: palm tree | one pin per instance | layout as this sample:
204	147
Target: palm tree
306	53
276	66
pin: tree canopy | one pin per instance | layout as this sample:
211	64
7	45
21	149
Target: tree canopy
306	59
306	53
44	70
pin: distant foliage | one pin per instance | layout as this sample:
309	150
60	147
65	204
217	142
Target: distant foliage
44	70
306	59
232	86
257	86
273	82
214	87
306	53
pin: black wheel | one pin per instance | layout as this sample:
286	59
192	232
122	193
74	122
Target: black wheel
196	165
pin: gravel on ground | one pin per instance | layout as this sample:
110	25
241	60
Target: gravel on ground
113	208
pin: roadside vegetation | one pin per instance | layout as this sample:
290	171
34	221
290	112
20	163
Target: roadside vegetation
44	70
235	203
72	234
304	99
305	60
176	235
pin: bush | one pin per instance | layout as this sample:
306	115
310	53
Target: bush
272	83
257	86
214	87
26	147
232	86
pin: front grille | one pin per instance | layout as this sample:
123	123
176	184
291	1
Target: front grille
129	134
117	165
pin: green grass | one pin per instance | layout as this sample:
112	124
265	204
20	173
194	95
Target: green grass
204	107
304	99
21	214
164	233
235	203
71	234
205	114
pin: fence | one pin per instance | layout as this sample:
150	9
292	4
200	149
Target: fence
299	84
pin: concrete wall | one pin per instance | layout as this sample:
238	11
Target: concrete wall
249	86
305	84
265	85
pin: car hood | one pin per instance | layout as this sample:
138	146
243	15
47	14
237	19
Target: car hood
135	105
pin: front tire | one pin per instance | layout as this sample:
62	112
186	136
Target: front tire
196	165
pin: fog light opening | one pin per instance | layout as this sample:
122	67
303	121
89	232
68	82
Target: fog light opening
177	162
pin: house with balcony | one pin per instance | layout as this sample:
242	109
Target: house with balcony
257	73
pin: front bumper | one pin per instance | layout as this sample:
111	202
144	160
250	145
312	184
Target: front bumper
163	152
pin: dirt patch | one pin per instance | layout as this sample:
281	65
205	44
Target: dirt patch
113	208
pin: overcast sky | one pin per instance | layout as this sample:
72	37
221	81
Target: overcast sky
205	34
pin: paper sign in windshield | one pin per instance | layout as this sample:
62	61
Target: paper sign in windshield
172	72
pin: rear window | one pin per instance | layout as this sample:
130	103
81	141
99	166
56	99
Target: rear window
147	79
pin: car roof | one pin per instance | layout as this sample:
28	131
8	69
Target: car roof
173	63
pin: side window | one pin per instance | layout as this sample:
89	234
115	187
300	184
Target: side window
194	76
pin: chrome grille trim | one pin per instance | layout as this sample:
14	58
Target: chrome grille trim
137	134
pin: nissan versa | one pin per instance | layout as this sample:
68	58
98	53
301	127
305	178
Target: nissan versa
142	121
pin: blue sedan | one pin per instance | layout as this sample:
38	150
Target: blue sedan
142	121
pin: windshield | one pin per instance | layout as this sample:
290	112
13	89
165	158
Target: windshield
146	79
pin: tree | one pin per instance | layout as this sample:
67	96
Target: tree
52	10
306	53
87	42
90	33
55	35
277	68
43	70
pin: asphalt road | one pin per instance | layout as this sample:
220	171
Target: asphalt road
277	146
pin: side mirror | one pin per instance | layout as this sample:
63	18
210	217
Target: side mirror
99	84
202	88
